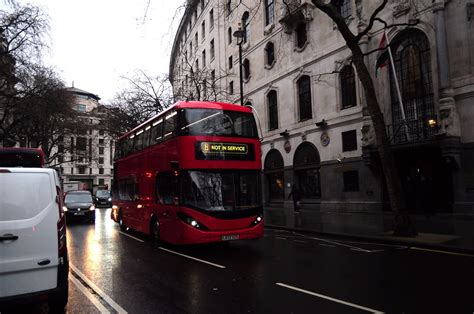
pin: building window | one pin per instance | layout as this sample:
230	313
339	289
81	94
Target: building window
202	5
212	49
204	58
101	160
307	163
213	76
231	87
351	181
344	7
203	30
81	108
272	100
190	49
301	35
231	62
101	170
197	65
304	97
101	150
196	42
81	144
229	35
269	12
274	173
348	87
246	68
246	26
269	54
101	141
211	19
82	170
349	141
101	181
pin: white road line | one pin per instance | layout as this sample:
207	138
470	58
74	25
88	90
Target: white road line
104	296
439	251
329	298
333	242
193	258
125	234
328	245
281	238
89	295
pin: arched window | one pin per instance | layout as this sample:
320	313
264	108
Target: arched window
246	26
306	164
269	11
304	97
229	35
412	60
272	101
246	68
269	53
274	175
348	87
301	35
344	7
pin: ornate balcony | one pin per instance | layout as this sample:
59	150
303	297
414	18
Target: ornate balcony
294	11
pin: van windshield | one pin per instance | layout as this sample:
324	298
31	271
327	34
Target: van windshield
24	195
78	198
103	193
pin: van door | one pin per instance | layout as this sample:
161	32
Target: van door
28	231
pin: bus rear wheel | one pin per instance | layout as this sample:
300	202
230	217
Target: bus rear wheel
155	231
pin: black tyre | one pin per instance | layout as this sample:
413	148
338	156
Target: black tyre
155	231
120	222
58	301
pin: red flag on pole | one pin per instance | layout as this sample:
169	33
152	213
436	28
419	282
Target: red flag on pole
383	54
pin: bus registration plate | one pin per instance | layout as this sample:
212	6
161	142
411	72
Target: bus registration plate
230	237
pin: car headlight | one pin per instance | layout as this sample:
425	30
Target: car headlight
65	208
109	199
92	207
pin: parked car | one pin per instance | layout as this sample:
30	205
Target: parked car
103	198
79	204
34	263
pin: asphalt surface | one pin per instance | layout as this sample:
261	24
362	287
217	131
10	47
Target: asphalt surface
285	272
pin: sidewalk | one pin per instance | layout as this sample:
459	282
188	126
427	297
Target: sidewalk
438	232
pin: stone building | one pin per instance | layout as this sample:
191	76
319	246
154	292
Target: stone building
88	153
297	74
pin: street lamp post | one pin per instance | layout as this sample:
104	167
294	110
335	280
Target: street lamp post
239	34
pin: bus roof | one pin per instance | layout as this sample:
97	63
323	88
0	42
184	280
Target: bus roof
191	104
19	157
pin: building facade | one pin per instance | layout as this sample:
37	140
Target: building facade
87	155
298	76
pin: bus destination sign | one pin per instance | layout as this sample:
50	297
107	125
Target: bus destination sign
224	151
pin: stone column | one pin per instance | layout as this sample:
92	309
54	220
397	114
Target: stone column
450	125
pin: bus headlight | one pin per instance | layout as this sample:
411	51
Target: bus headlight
257	220
191	221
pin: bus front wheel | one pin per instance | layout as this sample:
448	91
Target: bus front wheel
120	222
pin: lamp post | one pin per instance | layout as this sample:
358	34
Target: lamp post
239	34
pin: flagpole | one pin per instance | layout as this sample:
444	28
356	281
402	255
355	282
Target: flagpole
398	88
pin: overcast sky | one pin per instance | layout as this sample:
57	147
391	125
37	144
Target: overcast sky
94	42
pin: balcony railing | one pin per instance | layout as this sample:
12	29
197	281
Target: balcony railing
418	130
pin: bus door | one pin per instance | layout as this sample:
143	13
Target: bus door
167	193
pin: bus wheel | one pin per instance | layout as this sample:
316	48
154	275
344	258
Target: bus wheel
120	222
155	231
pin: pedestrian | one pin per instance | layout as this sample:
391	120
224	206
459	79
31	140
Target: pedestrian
296	195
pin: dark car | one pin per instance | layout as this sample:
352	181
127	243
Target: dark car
103	198
79	204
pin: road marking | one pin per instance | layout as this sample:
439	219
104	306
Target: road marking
96	289
334	242
439	251
193	258
89	295
329	298
328	245
299	241
281	238
130	236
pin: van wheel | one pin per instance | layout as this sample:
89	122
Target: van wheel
155	231
120	222
58	301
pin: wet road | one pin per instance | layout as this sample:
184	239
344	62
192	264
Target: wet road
284	272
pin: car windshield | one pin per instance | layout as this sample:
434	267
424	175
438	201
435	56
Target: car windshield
221	191
217	122
78	198
103	193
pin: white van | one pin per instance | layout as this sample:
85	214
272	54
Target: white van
33	254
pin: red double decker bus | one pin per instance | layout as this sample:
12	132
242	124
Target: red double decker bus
21	157
191	175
